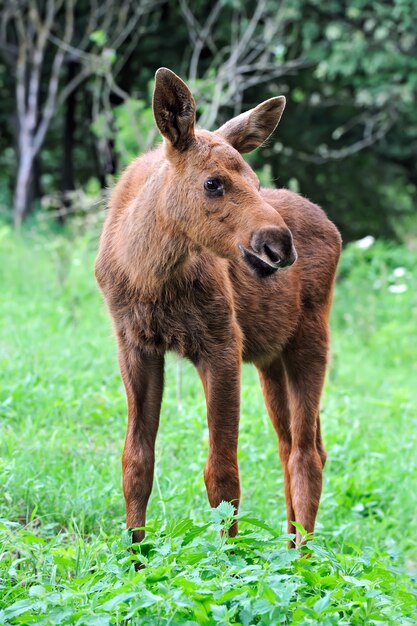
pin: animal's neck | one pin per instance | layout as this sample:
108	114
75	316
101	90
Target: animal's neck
154	254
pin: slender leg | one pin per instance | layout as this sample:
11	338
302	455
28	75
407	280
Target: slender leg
319	443
143	379
305	361
275	391
221	381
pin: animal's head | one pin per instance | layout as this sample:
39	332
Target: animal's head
211	194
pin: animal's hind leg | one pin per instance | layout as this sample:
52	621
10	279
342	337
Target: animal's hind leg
319	443
305	360
275	391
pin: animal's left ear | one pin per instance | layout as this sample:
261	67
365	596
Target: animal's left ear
174	109
249	130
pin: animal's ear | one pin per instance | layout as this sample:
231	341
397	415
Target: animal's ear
249	130
173	108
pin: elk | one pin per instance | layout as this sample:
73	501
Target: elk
196	258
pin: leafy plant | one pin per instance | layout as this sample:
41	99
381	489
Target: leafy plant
192	577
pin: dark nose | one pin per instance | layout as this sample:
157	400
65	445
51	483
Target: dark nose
275	246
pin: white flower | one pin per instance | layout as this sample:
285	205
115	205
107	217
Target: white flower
399	272
397	288
366	242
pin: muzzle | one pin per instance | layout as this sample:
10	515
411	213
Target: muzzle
271	249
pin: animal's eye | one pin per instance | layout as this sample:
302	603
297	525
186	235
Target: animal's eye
214	186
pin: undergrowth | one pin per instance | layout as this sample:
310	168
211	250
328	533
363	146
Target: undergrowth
188	576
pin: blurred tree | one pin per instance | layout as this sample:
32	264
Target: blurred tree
36	39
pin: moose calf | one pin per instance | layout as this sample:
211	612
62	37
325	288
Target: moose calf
195	257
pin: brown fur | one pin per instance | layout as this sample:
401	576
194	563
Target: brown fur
174	278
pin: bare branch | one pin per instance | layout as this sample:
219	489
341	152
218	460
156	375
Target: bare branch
75	52
73	84
9	50
324	154
248	61
51	100
284	70
114	87
21	69
142	7
202	38
242	45
91	25
192	23
37	58
108	14
122	59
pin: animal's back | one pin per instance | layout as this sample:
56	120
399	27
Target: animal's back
134	178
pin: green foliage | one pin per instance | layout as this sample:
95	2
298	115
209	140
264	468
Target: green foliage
132	128
99	37
64	556
136	130
370	45
191	577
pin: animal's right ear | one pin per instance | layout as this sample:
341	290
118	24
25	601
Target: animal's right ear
174	109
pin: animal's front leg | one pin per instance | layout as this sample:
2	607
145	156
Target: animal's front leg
143	379
221	380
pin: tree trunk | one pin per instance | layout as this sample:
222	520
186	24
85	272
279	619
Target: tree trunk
67	180
22	195
36	186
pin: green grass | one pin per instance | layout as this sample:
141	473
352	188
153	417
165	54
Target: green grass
63	554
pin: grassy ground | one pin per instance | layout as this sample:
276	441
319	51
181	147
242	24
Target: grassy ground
62	421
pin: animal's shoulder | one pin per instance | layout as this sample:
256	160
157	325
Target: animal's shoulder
306	220
316	240
133	179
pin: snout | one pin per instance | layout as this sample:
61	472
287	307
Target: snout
274	246
270	249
